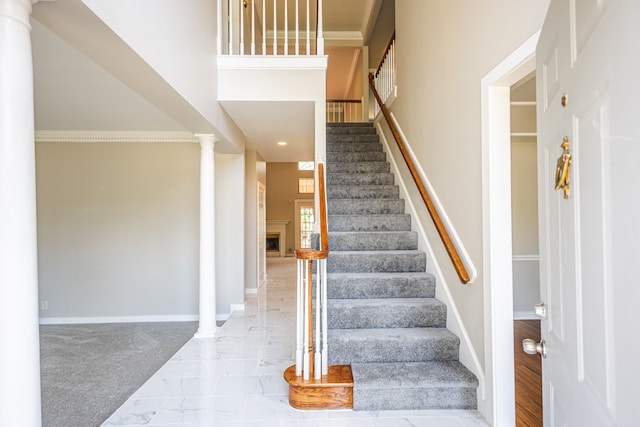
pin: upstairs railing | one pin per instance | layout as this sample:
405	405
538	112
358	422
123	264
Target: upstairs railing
312	357
344	110
385	75
270	27
433	212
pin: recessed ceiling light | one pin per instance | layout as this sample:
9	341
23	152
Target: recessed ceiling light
282	143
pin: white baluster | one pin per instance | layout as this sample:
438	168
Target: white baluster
253	28
220	24
320	31
230	26
308	32
241	9
299	316
325	324
317	371
297	28
306	357
264	28
286	27
275	28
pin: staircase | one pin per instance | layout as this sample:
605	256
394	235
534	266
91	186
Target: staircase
383	317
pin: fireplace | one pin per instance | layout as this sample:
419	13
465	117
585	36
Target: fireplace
276	237
273	242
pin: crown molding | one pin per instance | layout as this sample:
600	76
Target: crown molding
343	35
113	136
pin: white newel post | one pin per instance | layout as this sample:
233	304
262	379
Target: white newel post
19	334
207	325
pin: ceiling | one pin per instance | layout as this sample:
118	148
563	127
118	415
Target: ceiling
72	93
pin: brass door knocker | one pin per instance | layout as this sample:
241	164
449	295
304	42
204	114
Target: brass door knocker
562	169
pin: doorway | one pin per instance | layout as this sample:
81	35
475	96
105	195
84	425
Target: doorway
526	256
498	262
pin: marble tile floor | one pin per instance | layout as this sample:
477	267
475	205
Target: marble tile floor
235	379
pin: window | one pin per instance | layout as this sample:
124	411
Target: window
306	226
306	166
305	185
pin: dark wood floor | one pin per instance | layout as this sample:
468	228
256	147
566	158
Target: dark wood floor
528	374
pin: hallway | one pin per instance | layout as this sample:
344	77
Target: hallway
235	379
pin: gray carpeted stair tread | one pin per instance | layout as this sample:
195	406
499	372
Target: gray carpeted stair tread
376	261
381	285
373	240
350	130
392	345
338	157
370	222
358	167
362	191
349	125
361	206
386	313
413	385
360	179
340	140
414	374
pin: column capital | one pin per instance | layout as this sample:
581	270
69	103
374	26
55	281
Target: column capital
207	138
18	10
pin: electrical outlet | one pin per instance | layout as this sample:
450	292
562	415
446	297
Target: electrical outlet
44	305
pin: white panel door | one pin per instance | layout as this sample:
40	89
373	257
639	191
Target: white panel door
587	53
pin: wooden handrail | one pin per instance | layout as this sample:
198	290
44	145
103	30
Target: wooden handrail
384	55
324	234
435	217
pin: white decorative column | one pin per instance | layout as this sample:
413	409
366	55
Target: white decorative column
19	333
207	325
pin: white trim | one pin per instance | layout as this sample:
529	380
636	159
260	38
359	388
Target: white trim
271	62
112	136
525	315
468	355
343	35
535	258
455	238
118	319
497	248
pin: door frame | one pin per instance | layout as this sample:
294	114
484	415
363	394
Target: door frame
499	406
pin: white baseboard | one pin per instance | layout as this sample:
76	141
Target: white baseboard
118	319
524	315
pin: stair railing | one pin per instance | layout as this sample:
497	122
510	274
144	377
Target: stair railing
344	110
312	357
385	75
433	212
266	27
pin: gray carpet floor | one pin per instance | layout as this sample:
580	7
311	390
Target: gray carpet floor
88	371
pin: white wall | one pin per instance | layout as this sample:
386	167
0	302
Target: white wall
230	234
180	44
118	230
254	173
524	224
443	51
